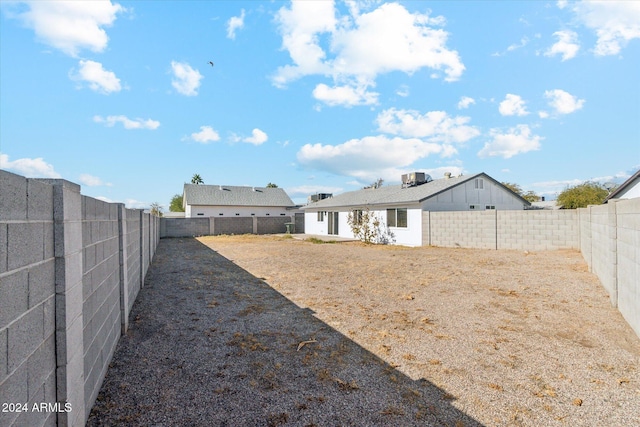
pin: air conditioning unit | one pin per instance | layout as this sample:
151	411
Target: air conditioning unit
415	178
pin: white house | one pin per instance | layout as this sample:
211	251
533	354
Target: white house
234	201
399	207
628	190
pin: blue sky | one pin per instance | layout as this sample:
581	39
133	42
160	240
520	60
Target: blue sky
317	96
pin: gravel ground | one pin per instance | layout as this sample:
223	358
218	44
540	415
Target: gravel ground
267	331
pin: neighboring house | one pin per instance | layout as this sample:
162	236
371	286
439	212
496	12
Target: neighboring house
546	204
173	214
628	190
400	207
233	201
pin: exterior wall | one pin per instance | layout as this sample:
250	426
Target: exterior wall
27	298
495	229
628	260
603	254
538	229
613	253
214	226
313	226
101	291
409	236
461	197
62	261
463	229
194	211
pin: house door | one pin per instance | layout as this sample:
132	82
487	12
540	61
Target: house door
333	222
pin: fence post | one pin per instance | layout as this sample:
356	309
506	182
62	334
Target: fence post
124	274
67	235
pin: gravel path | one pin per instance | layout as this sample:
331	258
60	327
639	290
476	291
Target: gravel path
266	331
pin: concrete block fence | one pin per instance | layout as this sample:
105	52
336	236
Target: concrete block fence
70	268
608	237
610	243
214	226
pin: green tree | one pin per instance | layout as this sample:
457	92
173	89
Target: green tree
156	209
272	185
196	179
582	195
513	187
176	204
529	196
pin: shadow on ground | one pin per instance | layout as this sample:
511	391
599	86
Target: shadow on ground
209	344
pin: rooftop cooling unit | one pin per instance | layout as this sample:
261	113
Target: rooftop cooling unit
415	178
319	196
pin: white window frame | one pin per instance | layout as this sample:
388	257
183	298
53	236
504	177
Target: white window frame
479	184
392	217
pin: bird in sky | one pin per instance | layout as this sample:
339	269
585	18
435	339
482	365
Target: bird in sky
210	63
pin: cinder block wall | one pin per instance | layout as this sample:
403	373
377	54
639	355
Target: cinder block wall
101	291
537	230
27	298
231	225
610	242
628	260
215	226
502	229
272	225
462	229
67	264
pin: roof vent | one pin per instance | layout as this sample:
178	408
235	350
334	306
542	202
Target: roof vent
415	178
447	175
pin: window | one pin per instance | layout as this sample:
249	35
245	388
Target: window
320	216
357	216
472	207
491	207
282	214
200	214
220	214
479	184
397	218
237	214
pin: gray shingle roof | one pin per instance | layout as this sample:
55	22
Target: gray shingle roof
229	195
394	194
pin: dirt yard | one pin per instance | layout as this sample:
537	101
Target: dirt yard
510	337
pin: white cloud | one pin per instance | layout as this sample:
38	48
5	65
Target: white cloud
465	102
344	95
435	126
403	91
235	23
513	105
516	141
512	47
186	80
368	158
30	168
98	79
362	46
71	26
614	22
567	45
92	181
127	122
206	135
257	137
563	102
